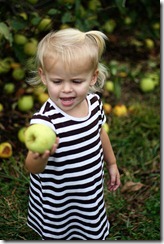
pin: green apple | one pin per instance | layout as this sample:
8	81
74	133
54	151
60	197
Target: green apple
45	24
94	5
109	25
4	66
64	26
39	138
109	86
149	43
127	20
24	15
156	26
20	39
21	134
25	103
9	88
153	76
1	107
147	85
18	74
30	48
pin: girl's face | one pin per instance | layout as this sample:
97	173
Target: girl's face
68	86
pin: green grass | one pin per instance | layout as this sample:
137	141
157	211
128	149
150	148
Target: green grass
135	214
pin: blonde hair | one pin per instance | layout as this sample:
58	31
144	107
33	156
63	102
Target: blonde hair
71	44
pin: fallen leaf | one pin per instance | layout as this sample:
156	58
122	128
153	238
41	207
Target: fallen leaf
131	186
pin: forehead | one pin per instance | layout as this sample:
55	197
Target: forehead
79	64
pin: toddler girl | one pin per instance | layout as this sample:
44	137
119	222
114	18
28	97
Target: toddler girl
66	199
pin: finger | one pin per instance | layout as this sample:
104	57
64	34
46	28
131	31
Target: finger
113	187
46	154
112	180
35	155
57	141
54	147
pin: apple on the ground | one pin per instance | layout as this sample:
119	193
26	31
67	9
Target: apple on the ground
120	110
9	88
109	86
18	73
5	150
42	97
107	108
147	84
21	134
25	103
39	138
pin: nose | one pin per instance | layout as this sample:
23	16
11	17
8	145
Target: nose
67	87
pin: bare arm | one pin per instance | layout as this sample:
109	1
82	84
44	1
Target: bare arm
36	163
110	160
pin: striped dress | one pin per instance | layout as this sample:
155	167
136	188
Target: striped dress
66	200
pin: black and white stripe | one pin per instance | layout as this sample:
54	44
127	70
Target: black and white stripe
66	201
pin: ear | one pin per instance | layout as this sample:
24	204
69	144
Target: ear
42	76
94	77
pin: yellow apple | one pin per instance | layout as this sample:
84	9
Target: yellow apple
5	150
107	108
43	97
120	110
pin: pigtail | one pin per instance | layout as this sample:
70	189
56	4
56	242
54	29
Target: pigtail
99	38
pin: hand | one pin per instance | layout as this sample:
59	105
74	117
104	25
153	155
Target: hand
36	163
47	153
114	181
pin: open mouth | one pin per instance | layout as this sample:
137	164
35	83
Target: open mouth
67	101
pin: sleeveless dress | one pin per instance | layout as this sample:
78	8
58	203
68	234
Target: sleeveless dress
66	200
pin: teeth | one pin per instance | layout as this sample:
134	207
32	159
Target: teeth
67	99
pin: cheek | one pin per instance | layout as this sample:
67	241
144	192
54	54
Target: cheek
83	88
53	91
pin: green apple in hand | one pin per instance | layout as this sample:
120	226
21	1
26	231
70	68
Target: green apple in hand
39	138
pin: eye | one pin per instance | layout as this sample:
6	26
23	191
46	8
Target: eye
57	81
77	81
